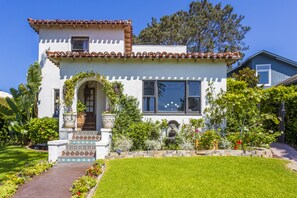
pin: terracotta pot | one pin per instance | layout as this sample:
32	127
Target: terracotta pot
108	120
81	118
69	120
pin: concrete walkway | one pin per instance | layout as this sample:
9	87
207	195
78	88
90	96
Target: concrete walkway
53	183
286	152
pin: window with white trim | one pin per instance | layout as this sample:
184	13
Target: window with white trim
264	73
80	44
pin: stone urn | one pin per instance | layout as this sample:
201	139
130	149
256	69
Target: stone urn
69	120
108	120
81	118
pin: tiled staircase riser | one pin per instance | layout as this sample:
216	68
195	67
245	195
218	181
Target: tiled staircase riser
81	148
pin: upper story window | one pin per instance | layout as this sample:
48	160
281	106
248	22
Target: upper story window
171	96
80	44
264	73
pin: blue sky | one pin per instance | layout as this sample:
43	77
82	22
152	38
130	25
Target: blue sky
273	25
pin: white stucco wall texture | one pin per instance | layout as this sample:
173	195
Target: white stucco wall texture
130	72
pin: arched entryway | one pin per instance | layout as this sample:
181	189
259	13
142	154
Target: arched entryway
90	93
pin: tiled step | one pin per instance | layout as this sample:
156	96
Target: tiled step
87	133
79	153
93	142
81	147
86	137
75	159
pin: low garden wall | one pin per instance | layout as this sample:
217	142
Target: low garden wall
190	153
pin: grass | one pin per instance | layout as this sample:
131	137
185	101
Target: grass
13	158
197	177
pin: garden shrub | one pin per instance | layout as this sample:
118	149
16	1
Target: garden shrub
127	114
224	143
172	144
153	144
42	130
239	106
186	145
5	136
139	132
274	97
208	139
122	143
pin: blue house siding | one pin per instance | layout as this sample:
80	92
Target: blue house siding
280	70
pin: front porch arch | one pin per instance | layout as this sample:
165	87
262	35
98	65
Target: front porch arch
71	86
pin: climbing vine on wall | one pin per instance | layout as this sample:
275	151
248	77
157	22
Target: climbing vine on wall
112	89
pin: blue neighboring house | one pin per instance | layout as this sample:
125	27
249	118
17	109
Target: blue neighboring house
272	68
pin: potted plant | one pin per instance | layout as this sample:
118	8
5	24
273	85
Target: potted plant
81	107
69	118
108	118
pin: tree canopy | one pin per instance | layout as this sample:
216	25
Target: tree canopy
205	27
247	75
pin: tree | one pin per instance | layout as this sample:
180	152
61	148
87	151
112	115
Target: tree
23	106
204	28
247	75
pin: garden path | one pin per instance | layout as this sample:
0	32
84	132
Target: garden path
53	183
286	152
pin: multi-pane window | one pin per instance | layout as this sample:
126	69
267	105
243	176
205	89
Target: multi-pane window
149	96
90	100
264	73
56	102
171	96
80	44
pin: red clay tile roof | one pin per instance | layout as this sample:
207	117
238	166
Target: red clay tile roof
125	24
230	57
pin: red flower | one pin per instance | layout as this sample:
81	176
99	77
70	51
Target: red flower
235	147
239	142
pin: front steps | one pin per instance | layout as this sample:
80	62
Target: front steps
82	148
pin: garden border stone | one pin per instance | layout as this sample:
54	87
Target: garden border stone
259	152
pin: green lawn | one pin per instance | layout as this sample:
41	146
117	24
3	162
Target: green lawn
198	177
13	158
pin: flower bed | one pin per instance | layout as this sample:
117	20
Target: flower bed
81	187
13	181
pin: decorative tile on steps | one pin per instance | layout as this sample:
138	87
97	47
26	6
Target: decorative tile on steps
76	159
86	137
78	153
81	147
83	142
86	133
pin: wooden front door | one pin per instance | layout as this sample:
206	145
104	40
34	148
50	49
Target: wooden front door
90	123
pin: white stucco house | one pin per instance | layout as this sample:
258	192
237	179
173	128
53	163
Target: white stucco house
67	47
5	94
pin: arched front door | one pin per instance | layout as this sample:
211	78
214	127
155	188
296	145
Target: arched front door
90	97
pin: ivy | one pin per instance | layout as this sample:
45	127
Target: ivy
111	89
